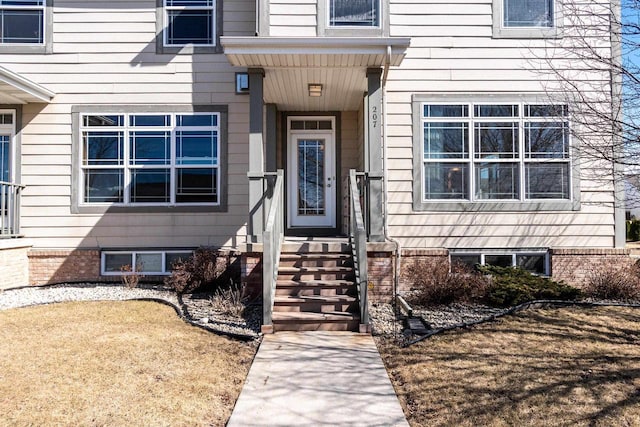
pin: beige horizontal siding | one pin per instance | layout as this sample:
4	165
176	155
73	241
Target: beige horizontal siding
453	52
293	18
105	54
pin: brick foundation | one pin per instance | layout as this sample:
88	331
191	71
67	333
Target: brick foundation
251	273
59	266
381	267
575	265
14	265
83	265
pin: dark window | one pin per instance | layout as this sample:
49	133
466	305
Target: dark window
189	22
354	13
22	21
158	163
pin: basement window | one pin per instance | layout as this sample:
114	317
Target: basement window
535	261
119	263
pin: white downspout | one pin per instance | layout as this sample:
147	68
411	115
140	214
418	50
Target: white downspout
385	199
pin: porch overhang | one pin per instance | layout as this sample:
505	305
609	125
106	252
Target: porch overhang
16	89
339	64
301	52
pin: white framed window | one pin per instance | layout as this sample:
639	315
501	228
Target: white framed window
119	263
22	22
354	13
528	13
527	19
535	261
7	145
189	22
150	159
482	152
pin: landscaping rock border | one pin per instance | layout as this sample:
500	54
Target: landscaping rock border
245	329
537	304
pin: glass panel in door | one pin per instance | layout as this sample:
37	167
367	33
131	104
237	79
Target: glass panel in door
311	193
311	177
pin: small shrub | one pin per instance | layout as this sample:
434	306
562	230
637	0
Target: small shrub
512	286
434	283
197	272
131	278
230	300
616	283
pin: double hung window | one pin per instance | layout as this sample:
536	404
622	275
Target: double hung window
495	152
22	22
150	159
190	22
354	13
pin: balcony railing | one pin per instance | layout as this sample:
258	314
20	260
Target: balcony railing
10	209
358	238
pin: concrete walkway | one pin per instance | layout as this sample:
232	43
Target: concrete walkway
315	379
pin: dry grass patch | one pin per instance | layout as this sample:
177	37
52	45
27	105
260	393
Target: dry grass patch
559	367
115	363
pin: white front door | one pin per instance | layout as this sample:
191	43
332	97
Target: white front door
311	182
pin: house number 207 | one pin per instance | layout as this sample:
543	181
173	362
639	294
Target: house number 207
374	116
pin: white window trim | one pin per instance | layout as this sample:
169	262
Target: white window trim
506	252
353	27
127	167
471	161
212	8
165	271
500	31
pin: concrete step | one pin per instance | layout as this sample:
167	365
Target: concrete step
315	303
302	321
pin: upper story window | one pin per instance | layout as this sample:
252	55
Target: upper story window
528	13
527	18
354	13
22	22
150	159
190	22
481	152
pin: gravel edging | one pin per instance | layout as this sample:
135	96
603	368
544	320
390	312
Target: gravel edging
537	304
51	294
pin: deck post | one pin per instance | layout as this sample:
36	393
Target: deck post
374	155
256	155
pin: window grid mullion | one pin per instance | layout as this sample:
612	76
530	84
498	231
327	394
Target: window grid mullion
173	174
126	191
521	146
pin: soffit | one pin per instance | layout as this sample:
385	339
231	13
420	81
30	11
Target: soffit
16	89
339	64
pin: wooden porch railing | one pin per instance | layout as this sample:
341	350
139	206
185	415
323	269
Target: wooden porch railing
10	209
358	240
272	242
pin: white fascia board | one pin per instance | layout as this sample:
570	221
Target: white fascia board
34	91
238	46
